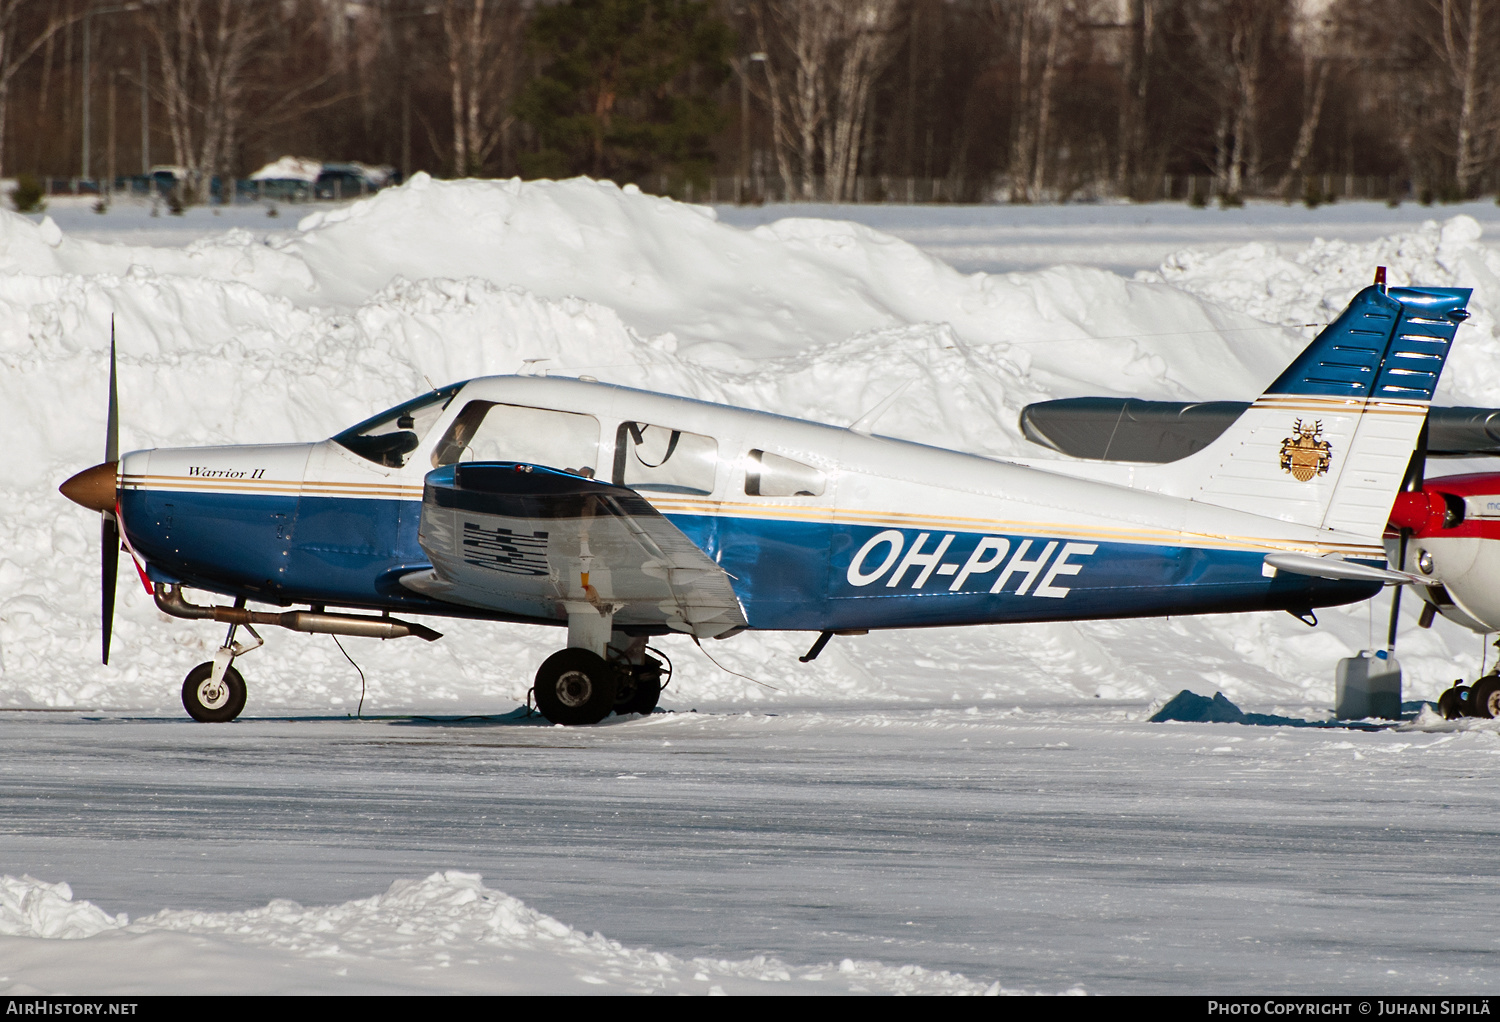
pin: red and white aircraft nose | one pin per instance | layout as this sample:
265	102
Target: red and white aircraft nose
1454	525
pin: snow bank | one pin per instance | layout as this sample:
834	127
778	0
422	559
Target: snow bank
286	336
447	931
35	908
1315	285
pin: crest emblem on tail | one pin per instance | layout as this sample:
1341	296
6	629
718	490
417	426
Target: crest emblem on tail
1303	454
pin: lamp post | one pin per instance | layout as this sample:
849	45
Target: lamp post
744	174
145	117
87	135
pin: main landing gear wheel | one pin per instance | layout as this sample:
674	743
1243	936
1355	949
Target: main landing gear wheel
1454	702
638	693
1484	697
575	686
210	703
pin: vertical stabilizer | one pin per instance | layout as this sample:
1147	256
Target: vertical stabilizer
1329	441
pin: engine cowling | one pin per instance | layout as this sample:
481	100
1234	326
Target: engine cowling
1454	538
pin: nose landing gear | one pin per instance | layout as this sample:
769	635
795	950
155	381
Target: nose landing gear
210	701
214	692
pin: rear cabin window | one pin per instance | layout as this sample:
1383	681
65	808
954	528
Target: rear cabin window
489	431
771	475
389	437
667	460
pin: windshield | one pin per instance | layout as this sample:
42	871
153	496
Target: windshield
389	437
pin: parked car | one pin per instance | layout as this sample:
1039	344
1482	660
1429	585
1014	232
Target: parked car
165	176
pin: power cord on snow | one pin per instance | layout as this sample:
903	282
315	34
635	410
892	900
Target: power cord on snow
1015	343
359	713
653	649
726	670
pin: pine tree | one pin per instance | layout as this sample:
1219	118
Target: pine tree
625	88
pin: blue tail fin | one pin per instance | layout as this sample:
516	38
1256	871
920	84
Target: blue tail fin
1329	441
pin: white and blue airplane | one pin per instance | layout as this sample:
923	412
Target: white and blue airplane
624	514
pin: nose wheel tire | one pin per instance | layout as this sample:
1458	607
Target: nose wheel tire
575	686
210	703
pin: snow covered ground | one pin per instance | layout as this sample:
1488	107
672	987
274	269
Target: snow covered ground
1122	237
1037	848
861	821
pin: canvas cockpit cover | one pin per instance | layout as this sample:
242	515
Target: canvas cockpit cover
523	538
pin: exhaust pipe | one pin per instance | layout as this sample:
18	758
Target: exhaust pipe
169	598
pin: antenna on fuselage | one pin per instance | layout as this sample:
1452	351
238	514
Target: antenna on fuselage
866	422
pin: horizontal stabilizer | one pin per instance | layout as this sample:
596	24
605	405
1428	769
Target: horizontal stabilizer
1154	432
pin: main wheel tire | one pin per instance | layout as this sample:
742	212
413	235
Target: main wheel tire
638	694
1484	697
575	686
209	705
1454	702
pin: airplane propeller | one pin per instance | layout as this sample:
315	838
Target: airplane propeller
94	488
1416	475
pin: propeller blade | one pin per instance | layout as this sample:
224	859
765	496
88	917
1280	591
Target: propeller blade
109	526
1390	636
109	564
1416	475
112	426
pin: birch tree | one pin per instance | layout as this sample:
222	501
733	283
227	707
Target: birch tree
205	49
484	42
16	49
226	71
823	57
1314	92
1135	77
1462	28
866	32
1038	28
1233	38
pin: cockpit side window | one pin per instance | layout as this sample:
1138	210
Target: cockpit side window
771	475
661	458
389	437
490	431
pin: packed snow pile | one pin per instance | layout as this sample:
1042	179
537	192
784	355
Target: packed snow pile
35	908
1311	288
448	931
293	335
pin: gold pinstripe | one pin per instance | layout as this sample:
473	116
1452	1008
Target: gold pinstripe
1348	405
828	515
898	519
261	487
